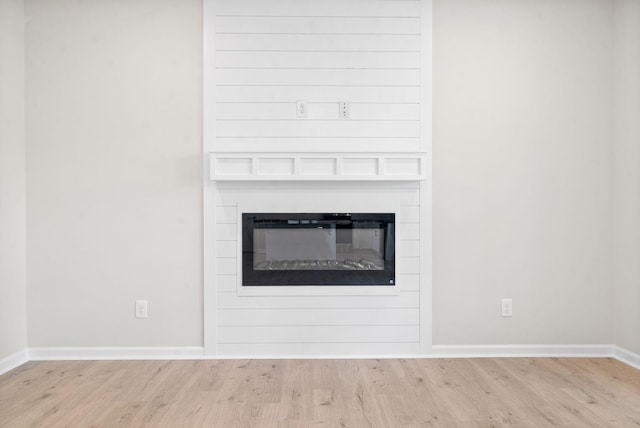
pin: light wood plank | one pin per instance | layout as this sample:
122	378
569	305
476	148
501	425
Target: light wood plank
526	392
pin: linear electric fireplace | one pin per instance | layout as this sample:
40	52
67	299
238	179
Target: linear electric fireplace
318	249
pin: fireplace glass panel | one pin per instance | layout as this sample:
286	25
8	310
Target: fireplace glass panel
318	249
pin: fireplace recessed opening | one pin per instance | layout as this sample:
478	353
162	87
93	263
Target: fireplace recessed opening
318	249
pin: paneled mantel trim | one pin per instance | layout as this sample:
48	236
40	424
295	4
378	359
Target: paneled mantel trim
318	166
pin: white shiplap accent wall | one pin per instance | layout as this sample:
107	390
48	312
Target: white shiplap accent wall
271	53
359	323
261	57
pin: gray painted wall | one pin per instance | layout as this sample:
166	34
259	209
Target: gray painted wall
626	183
523	173
13	281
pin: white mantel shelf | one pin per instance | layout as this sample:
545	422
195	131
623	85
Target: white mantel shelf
362	166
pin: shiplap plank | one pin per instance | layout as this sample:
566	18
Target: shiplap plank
409	214
406	299
279	350
362	94
311	24
226	232
326	200
296	334
226	249
306	77
226	282
407	265
228	214
383	111
226	266
275	111
318	42
408	282
309	128
405	282
315	8
318	60
261	144
408	248
408	231
302	317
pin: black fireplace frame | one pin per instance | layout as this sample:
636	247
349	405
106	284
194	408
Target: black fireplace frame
252	277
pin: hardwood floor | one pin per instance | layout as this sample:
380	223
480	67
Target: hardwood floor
527	392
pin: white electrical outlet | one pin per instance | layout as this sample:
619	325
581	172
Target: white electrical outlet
344	111
141	309
506	307
302	109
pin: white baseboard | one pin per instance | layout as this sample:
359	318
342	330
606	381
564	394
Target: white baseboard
505	351
117	353
14	360
436	351
626	356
